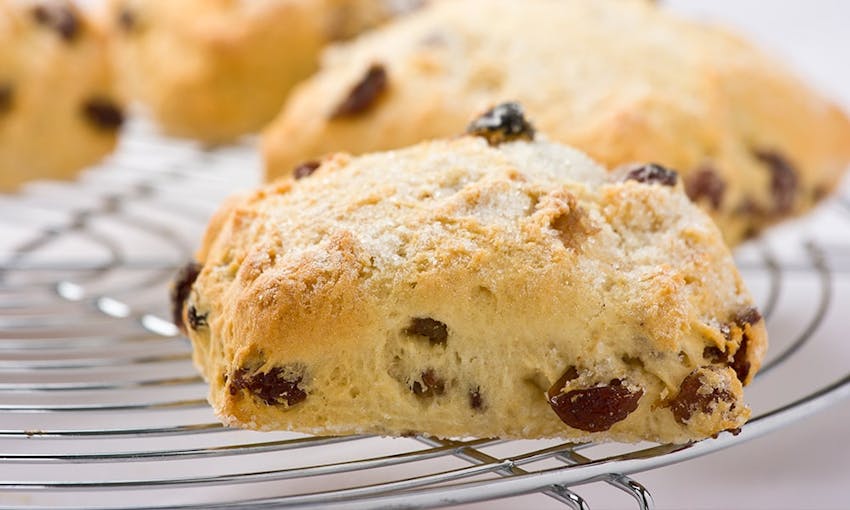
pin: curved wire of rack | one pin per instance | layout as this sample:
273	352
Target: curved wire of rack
100	403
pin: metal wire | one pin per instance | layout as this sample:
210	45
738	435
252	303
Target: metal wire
94	376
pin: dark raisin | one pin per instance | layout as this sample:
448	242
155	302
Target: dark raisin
435	331
783	180
275	387
820	192
650	173
103	114
714	354
431	384
475	400
7	95
126	18
691	400
740	364
196	320
569	374
58	17
180	288
504	122
596	409
305	169
704	182
364	94
746	316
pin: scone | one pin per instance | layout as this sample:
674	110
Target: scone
492	285
217	69
622	80
58	109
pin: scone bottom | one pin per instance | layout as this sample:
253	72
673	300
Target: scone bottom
317	338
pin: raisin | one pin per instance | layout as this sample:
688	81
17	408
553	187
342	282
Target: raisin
60	18
705	183
431	384
749	315
275	387
783	179
505	122
714	354
435	331
103	114
196	320
475	400
596	409
183	281
820	192
691	400
7	95
740	364
650	173
364	94
305	169
126	19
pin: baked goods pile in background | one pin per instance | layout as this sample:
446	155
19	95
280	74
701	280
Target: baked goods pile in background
753	143
59	108
211	70
622	80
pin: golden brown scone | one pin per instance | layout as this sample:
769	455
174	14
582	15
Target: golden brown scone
58	109
490	285
217	69
622	80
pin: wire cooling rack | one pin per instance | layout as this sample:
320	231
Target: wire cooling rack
100	405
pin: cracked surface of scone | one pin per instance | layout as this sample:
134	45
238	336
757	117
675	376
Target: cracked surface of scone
217	69
464	288
58	109
623	80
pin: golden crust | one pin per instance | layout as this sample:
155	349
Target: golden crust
528	255
624	81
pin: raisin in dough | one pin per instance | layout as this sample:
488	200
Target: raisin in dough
622	80
492	285
217	69
58	109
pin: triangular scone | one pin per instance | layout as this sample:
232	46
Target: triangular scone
623	80
490	285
